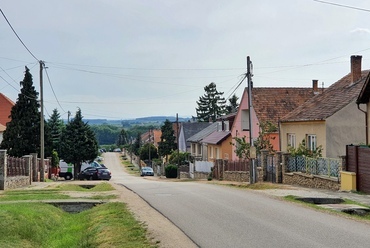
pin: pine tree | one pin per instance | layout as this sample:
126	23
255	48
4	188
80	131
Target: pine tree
22	134
233	105
122	138
79	143
167	143
56	126
211	105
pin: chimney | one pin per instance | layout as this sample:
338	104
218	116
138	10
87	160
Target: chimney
315	87
356	67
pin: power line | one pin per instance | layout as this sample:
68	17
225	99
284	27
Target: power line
6	19
342	5
52	89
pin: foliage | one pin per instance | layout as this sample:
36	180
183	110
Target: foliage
167	143
171	171
179	158
263	141
22	134
56	126
122	138
137	144
144	151
78	143
54	159
106	134
233	105
211	105
302	150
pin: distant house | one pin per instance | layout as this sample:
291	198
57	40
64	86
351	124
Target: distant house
6	106
152	136
332	119
269	104
218	145
198	149
188	129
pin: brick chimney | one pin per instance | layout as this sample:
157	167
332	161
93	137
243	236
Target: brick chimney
356	67
315	87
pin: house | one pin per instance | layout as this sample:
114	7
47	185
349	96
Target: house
6	106
269	104
218	145
332	119
198	149
188	129
152	136
364	98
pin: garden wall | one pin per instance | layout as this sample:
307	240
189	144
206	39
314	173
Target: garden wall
311	181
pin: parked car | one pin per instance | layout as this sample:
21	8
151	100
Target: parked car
146	171
117	150
67	170
93	173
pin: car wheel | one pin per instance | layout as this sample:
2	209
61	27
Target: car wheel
68	176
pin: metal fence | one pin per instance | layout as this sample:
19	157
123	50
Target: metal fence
315	166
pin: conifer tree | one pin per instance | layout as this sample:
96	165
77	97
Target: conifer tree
56	126
167	143
211	105
79	143
233	105
22	134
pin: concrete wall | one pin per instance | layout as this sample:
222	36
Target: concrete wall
345	127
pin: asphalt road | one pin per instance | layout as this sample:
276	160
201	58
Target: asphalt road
218	216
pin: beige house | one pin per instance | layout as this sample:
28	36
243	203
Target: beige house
332	119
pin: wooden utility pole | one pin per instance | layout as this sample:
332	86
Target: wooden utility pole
250	107
42	169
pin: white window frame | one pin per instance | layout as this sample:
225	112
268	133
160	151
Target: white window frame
311	142
291	140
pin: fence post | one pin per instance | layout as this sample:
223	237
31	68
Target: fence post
264	154
3	169
279	160
34	167
28	161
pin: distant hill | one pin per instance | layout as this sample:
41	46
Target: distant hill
137	121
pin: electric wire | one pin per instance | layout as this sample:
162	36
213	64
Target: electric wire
52	89
342	5
6	19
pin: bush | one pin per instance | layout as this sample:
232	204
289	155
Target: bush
171	171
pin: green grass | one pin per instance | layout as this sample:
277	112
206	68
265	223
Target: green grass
43	225
17	195
75	187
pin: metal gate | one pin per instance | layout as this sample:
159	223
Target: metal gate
271	169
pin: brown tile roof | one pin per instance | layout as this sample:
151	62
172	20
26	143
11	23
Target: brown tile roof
271	104
333	99
5	108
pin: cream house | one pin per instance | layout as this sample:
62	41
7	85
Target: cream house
331	119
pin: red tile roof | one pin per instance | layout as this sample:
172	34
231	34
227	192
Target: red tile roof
333	99
5	108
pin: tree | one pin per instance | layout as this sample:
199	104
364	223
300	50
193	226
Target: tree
137	144
233	105
22	134
122	138
167	143
211	105
56	126
144	152
79	143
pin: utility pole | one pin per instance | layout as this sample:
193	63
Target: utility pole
178	147
150	142
250	107
42	169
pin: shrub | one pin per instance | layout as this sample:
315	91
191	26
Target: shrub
171	171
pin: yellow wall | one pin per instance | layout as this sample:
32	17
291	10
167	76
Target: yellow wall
225	150
301	129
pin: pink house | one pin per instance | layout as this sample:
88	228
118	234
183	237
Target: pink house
269	104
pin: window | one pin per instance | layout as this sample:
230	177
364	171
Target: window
245	119
311	142
217	153
291	140
193	149
199	149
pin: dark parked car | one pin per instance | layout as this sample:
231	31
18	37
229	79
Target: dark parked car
146	171
92	173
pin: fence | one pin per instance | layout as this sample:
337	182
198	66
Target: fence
329	167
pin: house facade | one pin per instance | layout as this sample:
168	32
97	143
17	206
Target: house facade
198	149
331	119
188	129
218	145
6	106
269	105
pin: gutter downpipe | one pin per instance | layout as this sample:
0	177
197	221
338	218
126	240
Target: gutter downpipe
366	123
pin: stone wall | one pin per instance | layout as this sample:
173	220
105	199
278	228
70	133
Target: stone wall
311	181
201	175
17	182
184	174
236	176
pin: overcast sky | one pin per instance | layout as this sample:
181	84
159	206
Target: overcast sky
123	59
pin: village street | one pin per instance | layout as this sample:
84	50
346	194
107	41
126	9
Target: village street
218	216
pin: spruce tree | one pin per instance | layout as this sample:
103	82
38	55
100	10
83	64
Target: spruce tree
79	143
56	126
167	143
22	134
211	105
233	105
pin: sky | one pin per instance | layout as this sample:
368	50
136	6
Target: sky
125	59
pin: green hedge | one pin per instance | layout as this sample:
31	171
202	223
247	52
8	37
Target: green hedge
171	171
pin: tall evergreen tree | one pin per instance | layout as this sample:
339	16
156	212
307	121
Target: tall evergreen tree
137	144
56	126
122	138
79	143
233	105
167	143
211	105
22	134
